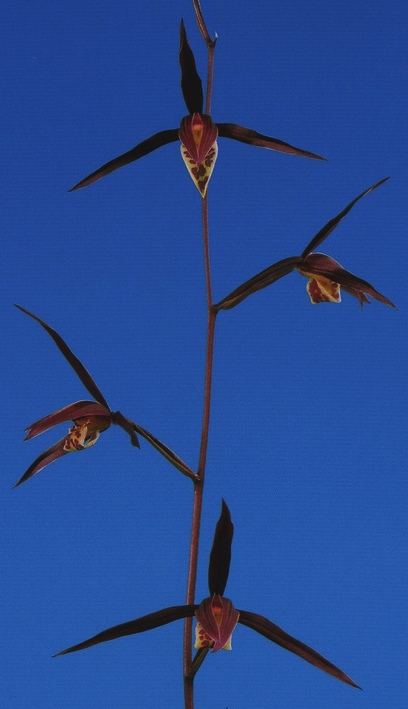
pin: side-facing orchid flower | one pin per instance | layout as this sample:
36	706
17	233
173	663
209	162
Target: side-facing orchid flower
90	419
216	615
198	133
326	276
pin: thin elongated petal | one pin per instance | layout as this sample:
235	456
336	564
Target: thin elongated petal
191	85
75	363
220	556
67	413
320	265
277	635
139	151
166	452
217	619
332	223
140	625
261	280
53	453
246	135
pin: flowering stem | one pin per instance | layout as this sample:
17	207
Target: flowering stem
199	484
189	670
210	72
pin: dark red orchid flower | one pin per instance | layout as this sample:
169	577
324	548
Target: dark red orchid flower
216	615
90	419
326	276
198	133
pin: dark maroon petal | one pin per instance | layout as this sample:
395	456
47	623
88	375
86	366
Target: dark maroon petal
191	85
140	625
328	228
166	452
322	265
246	135
67	413
127	425
277	635
76	365
144	148
220	632
261	280
56	451
220	556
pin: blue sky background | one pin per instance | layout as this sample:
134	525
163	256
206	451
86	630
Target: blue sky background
308	427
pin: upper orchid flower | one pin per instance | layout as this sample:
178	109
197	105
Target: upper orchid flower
326	276
90	419
198	133
216	615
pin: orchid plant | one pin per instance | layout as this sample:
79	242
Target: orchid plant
216	617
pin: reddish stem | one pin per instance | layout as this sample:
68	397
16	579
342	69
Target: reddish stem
199	483
210	73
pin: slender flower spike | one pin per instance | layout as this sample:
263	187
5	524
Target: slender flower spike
216	615
198	133
326	276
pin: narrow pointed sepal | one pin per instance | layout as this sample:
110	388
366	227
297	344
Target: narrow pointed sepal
217	619
140	150
332	223
79	409
251	137
140	625
220	556
261	280
198	135
191	84
272	632
83	434
75	363
53	453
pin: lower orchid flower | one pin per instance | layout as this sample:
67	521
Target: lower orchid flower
216	616
326	276
90	419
